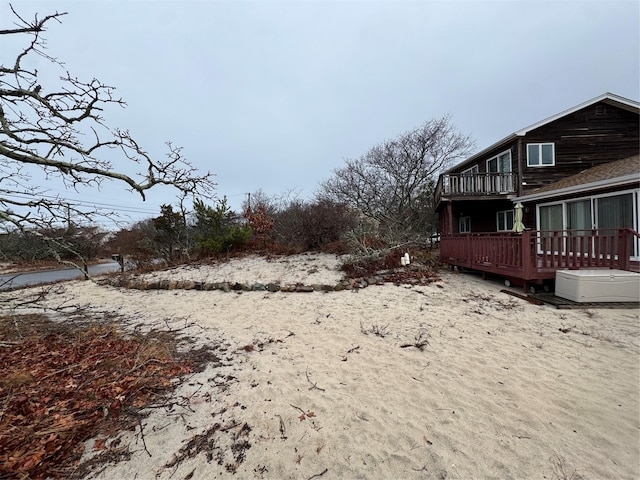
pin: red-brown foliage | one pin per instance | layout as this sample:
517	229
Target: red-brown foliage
62	387
260	222
370	266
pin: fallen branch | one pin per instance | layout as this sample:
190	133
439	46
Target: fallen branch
314	386
319	474
282	430
535	301
351	350
144	443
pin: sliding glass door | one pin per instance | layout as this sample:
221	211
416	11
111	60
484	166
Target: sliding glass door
579	224
500	166
615	211
606	213
551	223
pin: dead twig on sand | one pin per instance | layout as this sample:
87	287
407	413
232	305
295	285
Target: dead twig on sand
319	474
304	415
351	350
379	331
144	443
561	470
421	341
282	430
314	386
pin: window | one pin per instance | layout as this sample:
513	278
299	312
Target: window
550	217
615	211
464	224
505	220
500	164
603	212
579	224
469	179
541	155
579	215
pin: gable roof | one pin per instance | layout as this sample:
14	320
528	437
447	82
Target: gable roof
609	98
614	174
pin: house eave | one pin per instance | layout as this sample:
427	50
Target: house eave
611	98
587	187
481	153
605	97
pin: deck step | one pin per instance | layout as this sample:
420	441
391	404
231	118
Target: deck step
565	304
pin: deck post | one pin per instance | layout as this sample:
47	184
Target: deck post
468	247
527	254
624	252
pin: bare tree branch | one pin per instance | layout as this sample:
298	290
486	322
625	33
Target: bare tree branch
393	182
58	129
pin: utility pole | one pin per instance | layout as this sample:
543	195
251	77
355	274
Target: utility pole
68	217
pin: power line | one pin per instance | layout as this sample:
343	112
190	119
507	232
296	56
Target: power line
87	203
81	203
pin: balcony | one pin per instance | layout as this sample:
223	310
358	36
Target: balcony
461	185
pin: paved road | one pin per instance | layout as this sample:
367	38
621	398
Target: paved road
36	278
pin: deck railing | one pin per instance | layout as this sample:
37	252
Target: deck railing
470	184
538	254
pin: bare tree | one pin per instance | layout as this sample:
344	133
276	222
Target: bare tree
393	182
58	130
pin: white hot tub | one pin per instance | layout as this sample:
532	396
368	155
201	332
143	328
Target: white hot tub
598	285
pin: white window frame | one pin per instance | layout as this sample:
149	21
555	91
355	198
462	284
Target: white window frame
464	224
592	199
501	180
539	163
496	157
469	180
505	222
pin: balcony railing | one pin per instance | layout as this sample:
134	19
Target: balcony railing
474	184
538	254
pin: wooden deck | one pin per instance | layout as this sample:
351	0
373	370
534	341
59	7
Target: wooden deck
532	257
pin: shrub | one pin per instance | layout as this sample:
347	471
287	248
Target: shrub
217	229
313	226
233	238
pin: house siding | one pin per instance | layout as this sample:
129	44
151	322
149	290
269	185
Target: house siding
482	161
597	134
600	133
482	213
594	134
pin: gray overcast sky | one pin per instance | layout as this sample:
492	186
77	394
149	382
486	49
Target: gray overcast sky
274	95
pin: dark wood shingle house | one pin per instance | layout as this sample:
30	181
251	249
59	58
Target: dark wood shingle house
561	193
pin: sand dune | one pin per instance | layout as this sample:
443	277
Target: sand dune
334	385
